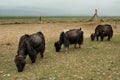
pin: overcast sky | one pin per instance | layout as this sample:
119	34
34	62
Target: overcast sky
59	7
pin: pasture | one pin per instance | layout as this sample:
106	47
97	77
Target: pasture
93	61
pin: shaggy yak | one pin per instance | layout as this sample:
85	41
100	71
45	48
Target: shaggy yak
73	36
29	45
102	31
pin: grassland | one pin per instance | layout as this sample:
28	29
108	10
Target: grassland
94	61
51	19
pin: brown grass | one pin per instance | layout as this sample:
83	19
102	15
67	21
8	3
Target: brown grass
12	33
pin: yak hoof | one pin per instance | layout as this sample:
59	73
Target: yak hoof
33	61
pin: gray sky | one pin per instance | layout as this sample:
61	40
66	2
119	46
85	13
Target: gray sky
60	7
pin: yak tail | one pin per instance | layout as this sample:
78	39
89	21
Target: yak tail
80	29
111	29
81	37
111	33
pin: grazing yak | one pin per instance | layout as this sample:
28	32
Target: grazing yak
73	36
29	45
102	31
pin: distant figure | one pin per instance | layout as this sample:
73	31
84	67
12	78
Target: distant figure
102	31
73	36
29	45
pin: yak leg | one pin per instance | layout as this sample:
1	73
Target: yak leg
66	49
108	38
41	50
32	55
31	52
75	46
42	54
102	38
79	46
66	44
33	58
97	37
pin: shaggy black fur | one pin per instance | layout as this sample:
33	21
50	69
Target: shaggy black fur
102	31
73	36
29	45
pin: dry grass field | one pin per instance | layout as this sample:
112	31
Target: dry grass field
94	61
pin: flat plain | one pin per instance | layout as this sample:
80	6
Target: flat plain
93	61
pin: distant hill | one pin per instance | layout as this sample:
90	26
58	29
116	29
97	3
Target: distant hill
25	11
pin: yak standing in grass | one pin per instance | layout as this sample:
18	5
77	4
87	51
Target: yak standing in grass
102	31
73	36
29	45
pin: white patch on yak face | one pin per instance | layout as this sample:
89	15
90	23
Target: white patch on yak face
65	30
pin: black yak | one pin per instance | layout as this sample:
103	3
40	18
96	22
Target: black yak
73	36
29	45
102	31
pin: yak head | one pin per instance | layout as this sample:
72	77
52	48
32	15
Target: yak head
92	37
57	46
20	62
